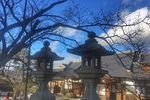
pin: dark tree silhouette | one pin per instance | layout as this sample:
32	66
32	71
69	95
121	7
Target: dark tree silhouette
23	22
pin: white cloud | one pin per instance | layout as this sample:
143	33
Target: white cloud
69	32
79	36
125	13
134	16
129	19
66	31
67	60
54	45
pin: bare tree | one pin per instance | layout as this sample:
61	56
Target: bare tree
130	38
24	22
15	74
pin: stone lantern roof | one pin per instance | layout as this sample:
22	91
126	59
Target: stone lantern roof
91	47
46	53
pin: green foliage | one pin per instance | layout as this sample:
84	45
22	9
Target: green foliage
16	75
70	95
33	89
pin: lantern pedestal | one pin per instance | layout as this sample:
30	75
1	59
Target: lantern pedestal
44	66
90	77
43	92
90	93
90	70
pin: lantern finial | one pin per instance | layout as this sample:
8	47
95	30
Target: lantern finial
46	44
91	35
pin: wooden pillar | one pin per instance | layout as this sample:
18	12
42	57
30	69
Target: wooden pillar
50	87
112	92
63	87
106	86
122	94
145	89
125	94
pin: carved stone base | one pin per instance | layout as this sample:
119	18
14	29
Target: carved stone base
90	92
42	95
90	78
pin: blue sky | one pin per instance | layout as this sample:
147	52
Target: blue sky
94	6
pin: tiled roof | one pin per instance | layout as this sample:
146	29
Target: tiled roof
145	57
113	66
58	69
72	66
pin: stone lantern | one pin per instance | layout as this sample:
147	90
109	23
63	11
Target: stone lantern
90	70
44	71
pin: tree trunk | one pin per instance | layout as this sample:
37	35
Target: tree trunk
14	95
4	59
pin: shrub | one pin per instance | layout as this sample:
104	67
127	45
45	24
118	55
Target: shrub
70	95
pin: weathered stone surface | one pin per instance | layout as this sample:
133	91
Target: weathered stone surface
90	73
90	70
90	77
43	93
42	96
44	71
90	93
